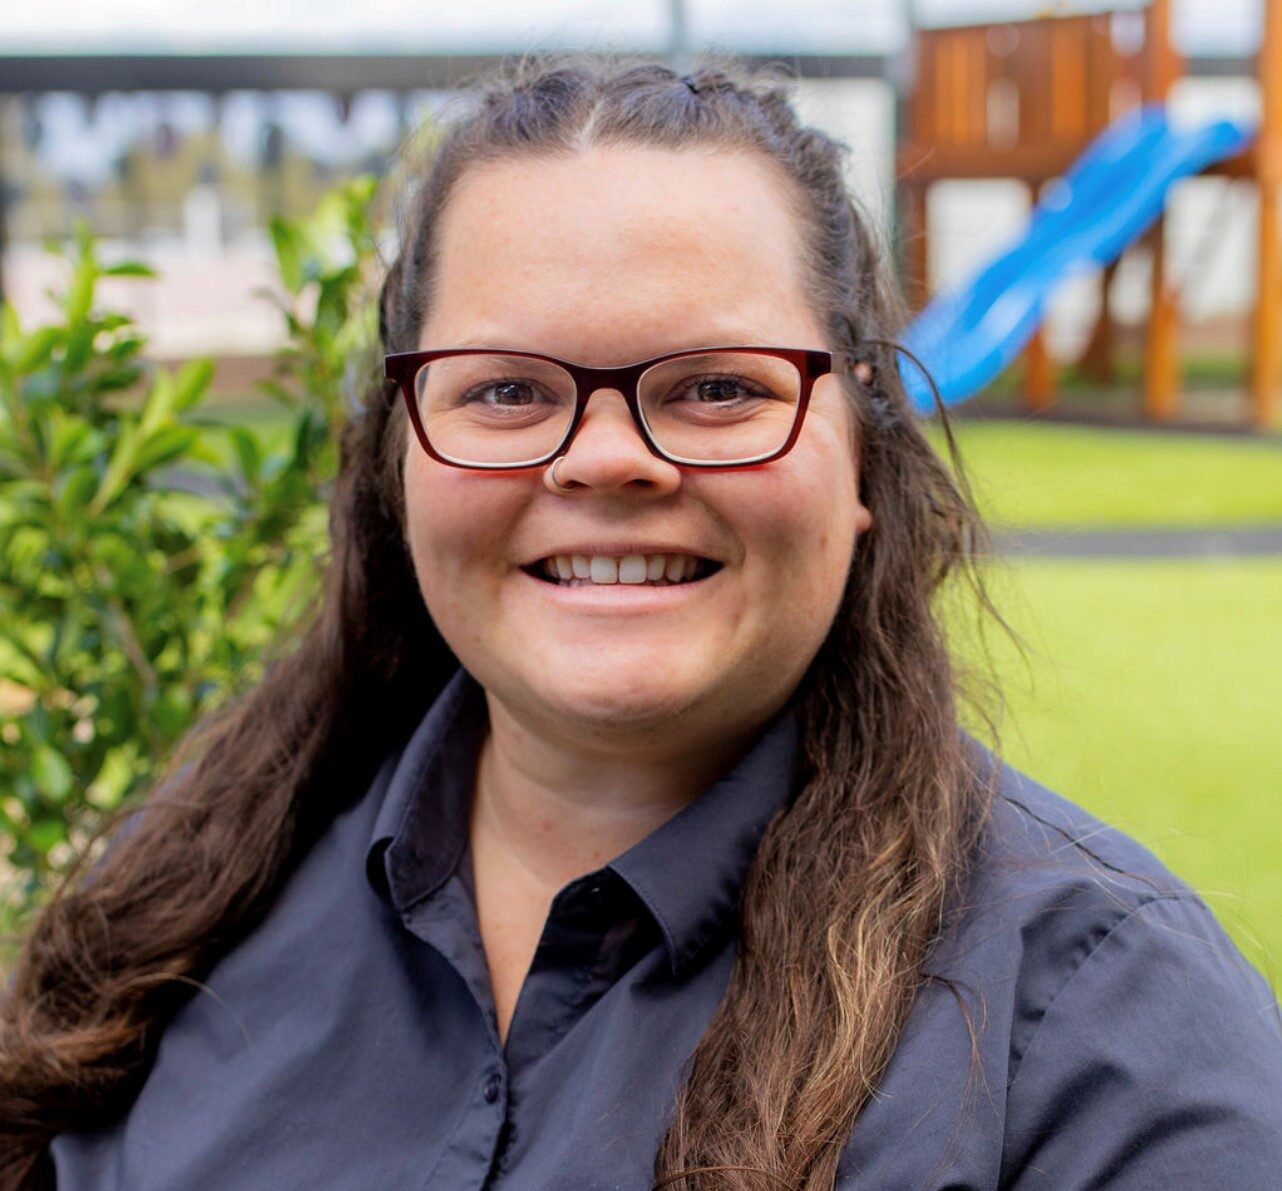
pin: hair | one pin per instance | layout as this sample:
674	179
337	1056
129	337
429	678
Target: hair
852	881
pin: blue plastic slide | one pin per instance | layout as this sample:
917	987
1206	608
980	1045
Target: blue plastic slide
1111	195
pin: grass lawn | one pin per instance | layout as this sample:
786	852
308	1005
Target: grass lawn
1152	690
1043	474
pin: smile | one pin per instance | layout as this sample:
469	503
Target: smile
604	570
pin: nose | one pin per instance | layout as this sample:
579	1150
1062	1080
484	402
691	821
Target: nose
607	452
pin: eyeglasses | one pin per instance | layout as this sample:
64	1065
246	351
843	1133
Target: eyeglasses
715	407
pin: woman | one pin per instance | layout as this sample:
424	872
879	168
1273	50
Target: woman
687	877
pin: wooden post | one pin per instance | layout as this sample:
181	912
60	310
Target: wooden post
915	230
1098	361
1161	343
1266	331
1040	387
1039	368
1162	60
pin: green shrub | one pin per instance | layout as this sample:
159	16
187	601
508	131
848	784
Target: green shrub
149	554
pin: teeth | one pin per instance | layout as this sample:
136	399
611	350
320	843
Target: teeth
604	570
632	569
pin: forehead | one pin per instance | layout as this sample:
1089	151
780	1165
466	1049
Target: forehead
618	251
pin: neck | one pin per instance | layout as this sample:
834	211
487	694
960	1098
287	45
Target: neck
556	809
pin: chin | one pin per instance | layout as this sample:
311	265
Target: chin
617	707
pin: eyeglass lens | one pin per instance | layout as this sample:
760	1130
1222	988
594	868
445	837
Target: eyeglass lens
719	407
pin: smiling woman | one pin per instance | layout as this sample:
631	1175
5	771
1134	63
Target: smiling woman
612	825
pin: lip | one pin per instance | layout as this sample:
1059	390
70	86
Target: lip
619	550
623	597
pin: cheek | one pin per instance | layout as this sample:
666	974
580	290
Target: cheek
454	530
819	502
799	526
424	526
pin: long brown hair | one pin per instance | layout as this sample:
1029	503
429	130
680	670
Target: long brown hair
850	884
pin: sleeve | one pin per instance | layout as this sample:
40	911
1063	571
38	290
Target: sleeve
1157	1064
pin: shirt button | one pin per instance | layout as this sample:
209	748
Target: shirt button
493	1083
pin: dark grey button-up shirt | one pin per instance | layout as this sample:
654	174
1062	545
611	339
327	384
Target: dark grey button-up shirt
350	1041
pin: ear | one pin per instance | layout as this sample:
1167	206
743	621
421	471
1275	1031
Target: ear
863	518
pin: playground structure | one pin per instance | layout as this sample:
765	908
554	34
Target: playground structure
1074	108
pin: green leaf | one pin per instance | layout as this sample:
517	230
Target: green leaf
112	380
129	269
163	446
37	349
249	451
77	490
84	278
289	252
70	439
192	383
51	773
10	327
277	391
79	346
45	834
119	468
159	403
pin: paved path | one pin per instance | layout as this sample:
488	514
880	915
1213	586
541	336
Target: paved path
1254	542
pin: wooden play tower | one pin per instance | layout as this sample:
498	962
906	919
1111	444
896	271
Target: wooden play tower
1021	100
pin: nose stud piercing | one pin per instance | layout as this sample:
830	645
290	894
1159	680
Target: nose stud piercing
551	474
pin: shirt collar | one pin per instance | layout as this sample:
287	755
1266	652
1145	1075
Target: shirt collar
421	828
687	872
690	871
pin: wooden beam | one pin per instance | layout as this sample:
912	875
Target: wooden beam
1161	346
1035	163
1039	368
1163	63
96	74
1266	330
1161	339
915	237
1098	361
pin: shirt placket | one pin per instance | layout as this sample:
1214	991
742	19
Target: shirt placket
593	930
447	922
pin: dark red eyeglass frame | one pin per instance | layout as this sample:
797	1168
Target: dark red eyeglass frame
811	364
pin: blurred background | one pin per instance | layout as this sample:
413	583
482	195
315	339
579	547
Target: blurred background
1120	427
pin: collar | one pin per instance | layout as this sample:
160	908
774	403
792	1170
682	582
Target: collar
688	872
421	828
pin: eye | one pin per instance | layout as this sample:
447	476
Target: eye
722	389
504	393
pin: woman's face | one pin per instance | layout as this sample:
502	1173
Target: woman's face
605	257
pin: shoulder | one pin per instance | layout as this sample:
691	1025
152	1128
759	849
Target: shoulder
1059	877
1056	882
1124	1011
1037	839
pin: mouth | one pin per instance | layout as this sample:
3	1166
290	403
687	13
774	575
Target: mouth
629	570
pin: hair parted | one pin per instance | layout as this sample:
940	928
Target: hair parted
851	883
